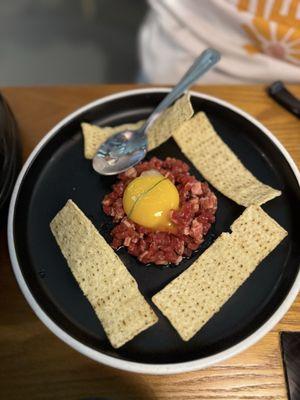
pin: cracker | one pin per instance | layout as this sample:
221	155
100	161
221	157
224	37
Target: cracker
160	131
219	165
94	135
191	299
169	121
103	278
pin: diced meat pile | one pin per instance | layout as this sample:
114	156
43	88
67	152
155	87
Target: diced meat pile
193	218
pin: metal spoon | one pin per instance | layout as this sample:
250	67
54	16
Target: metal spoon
125	149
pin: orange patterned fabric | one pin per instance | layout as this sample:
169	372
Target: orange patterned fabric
259	39
273	28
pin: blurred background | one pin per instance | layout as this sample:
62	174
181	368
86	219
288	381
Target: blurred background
154	41
69	41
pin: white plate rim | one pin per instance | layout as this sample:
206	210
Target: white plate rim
156	369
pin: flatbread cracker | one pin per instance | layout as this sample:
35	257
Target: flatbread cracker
169	121
103	278
191	299
160	131
219	165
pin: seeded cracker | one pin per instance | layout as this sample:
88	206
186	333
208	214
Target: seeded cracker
219	165
158	133
103	278
191	299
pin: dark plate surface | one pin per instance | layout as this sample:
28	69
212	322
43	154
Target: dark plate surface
59	172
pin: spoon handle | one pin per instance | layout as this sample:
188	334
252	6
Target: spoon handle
203	63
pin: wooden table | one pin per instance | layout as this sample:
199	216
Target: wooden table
36	365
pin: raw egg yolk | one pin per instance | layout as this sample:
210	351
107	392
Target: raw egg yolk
148	200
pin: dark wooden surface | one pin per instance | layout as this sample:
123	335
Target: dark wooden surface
36	365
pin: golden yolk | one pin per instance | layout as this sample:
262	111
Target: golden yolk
148	200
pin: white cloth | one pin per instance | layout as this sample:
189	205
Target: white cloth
176	31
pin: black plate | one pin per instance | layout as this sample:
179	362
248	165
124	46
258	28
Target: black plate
59	172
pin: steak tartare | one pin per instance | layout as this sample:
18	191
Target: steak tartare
192	220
